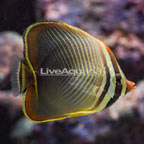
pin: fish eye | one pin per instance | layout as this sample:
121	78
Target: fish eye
118	78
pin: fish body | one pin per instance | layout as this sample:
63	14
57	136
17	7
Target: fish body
66	72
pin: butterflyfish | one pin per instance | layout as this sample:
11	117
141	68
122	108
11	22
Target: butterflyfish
66	72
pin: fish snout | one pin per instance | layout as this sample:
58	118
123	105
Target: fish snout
130	85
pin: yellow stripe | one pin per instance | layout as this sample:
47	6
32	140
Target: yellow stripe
109	62
100	91
56	53
90	65
86	65
123	82
103	103
81	63
24	110
77	61
111	90
67	48
61	45
111	70
28	60
76	58
74	48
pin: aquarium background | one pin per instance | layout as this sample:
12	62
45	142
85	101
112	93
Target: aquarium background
120	24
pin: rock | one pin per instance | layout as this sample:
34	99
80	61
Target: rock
11	45
133	100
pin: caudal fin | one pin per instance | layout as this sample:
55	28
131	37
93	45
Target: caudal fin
20	77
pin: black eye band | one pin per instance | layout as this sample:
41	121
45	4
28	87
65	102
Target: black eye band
118	78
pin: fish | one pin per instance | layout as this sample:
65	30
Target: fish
66	72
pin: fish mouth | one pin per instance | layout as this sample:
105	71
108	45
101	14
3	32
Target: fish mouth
130	85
